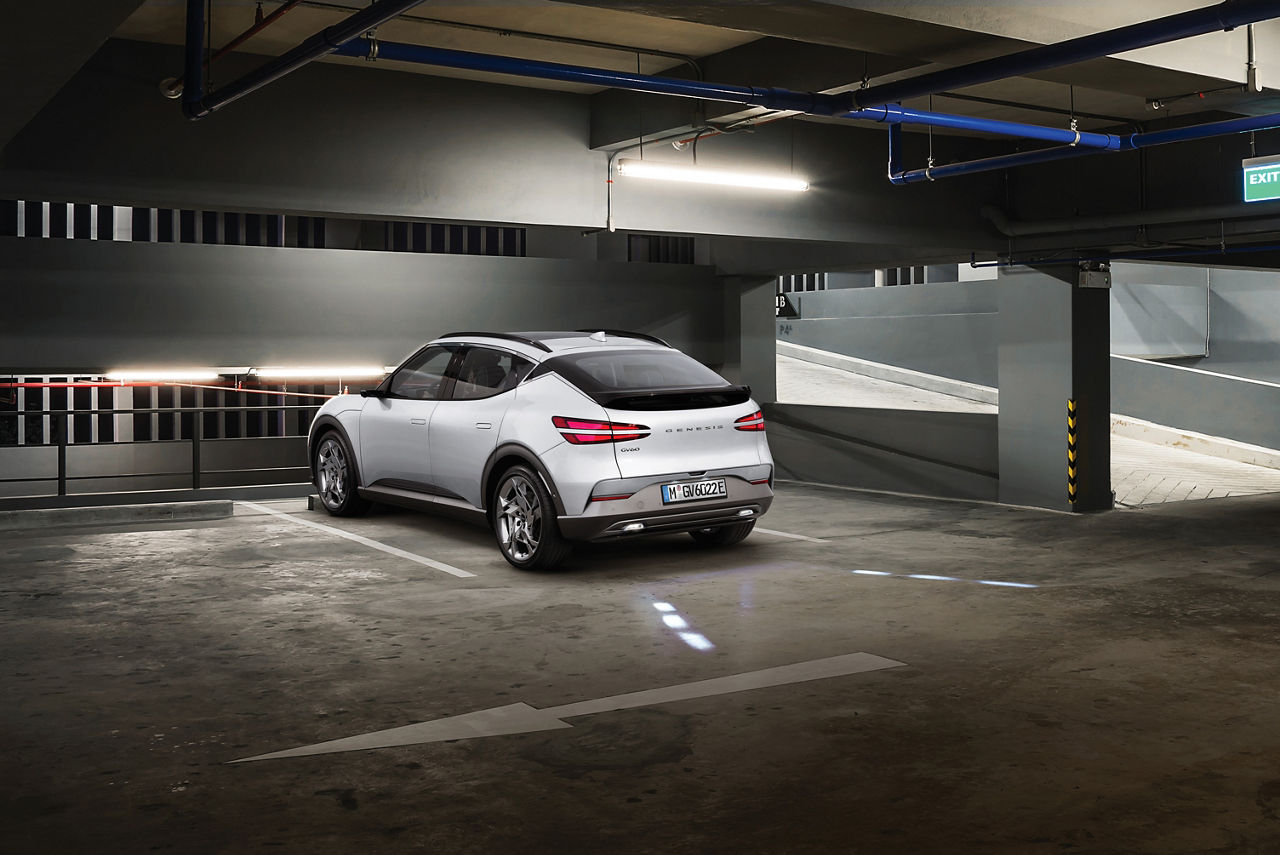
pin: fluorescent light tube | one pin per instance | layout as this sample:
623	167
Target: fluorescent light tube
701	175
319	371
162	374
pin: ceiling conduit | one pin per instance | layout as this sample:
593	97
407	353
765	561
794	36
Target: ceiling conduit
1170	216
1129	142
196	104
813	103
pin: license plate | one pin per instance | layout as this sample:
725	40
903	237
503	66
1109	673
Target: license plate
690	491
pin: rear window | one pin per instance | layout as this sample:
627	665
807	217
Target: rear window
646	380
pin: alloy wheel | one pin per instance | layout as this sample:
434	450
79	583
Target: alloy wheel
332	473
519	517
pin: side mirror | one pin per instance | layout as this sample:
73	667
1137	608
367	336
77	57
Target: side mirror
372	393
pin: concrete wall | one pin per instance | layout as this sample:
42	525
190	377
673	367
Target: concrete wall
1159	311
1195	400
96	305
933	454
949	330
342	141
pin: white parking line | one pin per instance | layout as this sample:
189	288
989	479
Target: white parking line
358	539
792	536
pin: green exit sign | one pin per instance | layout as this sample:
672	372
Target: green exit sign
1261	178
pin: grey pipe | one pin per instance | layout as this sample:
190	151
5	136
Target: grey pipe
1169	216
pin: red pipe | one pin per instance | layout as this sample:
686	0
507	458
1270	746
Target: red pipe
173	87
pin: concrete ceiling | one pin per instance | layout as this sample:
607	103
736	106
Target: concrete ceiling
833	45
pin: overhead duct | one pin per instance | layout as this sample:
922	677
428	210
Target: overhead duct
1170	216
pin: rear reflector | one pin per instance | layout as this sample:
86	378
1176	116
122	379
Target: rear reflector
589	432
755	421
609	498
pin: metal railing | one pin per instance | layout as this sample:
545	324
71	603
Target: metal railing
239	460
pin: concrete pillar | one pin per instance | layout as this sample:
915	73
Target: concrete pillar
1054	348
751	334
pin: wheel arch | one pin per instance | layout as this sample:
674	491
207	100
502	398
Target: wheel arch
507	455
326	424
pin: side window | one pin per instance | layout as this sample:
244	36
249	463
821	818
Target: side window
484	373
422	377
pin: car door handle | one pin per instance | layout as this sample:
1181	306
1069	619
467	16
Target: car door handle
417	421
484	426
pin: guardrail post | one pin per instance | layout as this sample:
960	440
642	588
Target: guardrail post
197	428
62	453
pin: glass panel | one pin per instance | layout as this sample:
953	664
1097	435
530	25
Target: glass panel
486	372
422	377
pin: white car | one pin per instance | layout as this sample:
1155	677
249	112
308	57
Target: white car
553	437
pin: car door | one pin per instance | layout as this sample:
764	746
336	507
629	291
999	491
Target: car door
464	428
394	437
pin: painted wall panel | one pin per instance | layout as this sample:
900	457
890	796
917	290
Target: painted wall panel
960	346
906	451
1159	311
94	305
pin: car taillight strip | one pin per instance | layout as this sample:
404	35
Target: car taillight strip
755	421
610	498
587	432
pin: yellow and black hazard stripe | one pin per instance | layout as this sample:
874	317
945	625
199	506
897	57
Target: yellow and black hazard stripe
1071	451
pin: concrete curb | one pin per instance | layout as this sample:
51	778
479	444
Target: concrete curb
891	373
115	514
1213	446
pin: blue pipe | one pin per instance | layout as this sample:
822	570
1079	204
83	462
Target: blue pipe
1224	16
774	99
1213	129
1131	142
894	114
196	104
193	75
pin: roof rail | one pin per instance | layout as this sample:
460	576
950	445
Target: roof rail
628	334
507	336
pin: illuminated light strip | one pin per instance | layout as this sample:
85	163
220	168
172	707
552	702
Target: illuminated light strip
320	371
932	578
163	374
701	175
696	640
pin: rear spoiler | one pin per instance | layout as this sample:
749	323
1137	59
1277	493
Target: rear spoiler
674	399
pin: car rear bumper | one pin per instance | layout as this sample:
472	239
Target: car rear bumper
619	518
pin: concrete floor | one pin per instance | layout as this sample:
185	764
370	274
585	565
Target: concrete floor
1126	704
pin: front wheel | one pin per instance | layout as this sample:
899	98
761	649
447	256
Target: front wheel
725	535
335	478
524	522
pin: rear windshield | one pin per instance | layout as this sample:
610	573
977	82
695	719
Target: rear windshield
646	379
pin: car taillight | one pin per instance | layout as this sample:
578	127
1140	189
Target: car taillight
755	421
587	432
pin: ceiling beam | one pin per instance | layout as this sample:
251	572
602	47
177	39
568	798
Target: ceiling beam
42	45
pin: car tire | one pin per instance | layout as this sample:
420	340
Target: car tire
725	535
334	474
524	521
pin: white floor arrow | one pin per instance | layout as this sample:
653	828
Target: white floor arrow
522	718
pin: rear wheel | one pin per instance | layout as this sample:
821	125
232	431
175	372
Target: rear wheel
524	522
335	479
725	535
